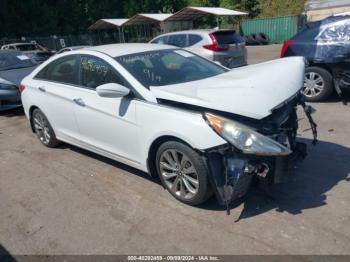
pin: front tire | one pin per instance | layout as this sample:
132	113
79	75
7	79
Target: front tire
183	173
318	84
43	129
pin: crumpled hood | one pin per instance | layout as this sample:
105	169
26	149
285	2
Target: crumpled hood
251	91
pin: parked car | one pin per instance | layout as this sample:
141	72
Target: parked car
34	51
326	46
70	48
224	46
14	66
200	127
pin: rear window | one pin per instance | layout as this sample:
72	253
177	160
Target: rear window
13	60
228	37
26	47
194	39
177	40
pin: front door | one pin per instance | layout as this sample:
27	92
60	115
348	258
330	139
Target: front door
106	124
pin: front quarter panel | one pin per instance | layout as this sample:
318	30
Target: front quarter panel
157	121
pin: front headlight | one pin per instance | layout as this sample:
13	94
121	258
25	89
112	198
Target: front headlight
244	138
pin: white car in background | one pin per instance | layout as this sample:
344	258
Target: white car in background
226	47
198	126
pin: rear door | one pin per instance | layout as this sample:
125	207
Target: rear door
234	52
56	87
106	125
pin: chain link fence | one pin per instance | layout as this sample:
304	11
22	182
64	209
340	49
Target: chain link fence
58	42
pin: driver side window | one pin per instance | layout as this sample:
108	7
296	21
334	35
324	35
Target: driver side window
95	72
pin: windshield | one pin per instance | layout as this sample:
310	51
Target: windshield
12	60
168	67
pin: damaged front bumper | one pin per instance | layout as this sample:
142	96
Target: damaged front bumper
232	172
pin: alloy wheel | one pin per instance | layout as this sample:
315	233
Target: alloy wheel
179	174
314	84
42	128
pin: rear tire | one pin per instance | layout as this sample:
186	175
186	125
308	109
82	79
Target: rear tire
262	39
252	39
183	173
43	129
318	84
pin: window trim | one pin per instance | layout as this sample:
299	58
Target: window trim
78	56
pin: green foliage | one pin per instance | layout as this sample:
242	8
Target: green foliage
270	8
49	17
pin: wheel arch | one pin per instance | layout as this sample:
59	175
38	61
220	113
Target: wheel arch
323	66
152	152
31	110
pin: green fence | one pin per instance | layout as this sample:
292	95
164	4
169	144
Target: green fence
278	29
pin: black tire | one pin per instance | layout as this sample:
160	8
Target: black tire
47	138
204	188
247	40
252	39
262	39
326	78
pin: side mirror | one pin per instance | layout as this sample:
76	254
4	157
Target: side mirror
112	90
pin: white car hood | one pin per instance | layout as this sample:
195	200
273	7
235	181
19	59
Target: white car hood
251	91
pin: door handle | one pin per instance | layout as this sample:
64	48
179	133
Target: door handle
79	101
42	89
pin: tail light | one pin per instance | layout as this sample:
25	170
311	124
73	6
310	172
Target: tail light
214	46
285	47
21	88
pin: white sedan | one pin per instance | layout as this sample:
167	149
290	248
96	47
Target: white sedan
199	127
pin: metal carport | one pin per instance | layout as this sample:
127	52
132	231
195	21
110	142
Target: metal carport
107	24
191	13
143	26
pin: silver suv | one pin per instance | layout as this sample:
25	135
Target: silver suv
224	46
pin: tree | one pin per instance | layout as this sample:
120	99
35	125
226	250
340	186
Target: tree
270	8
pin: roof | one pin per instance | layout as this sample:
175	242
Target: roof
108	23
191	13
195	31
115	50
147	19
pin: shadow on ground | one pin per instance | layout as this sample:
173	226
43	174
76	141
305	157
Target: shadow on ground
13	112
334	98
111	162
305	188
5	255
326	166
